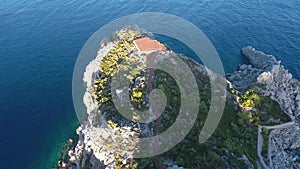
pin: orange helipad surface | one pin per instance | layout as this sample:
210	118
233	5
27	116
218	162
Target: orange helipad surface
147	44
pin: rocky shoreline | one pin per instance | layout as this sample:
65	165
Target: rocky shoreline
274	79
93	149
81	152
83	149
95	145
277	83
98	145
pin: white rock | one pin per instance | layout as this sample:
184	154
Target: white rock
298	97
243	67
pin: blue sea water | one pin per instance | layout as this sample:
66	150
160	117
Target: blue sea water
40	40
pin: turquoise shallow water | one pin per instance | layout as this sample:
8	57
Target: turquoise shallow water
40	40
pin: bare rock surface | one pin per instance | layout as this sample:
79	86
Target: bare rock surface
96	147
284	145
277	82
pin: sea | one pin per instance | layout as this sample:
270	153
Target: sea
40	41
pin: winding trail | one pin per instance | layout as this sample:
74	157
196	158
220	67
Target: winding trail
260	141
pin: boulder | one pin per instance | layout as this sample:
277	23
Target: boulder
297	97
243	67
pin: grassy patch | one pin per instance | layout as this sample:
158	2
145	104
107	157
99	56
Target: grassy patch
267	111
270	112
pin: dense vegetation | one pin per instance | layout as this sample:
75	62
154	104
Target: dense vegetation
266	111
235	136
265	134
124	58
117	59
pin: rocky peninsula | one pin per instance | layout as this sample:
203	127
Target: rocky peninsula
266	71
260	95
271	79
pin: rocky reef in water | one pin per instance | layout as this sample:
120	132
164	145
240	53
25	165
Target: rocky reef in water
233	145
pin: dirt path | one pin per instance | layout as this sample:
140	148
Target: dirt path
260	141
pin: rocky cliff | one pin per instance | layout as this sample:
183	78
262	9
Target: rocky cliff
99	143
274	79
267	74
284	146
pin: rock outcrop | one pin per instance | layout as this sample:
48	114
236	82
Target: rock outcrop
283	146
244	78
275	80
259	59
277	83
99	146
280	86
96	147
